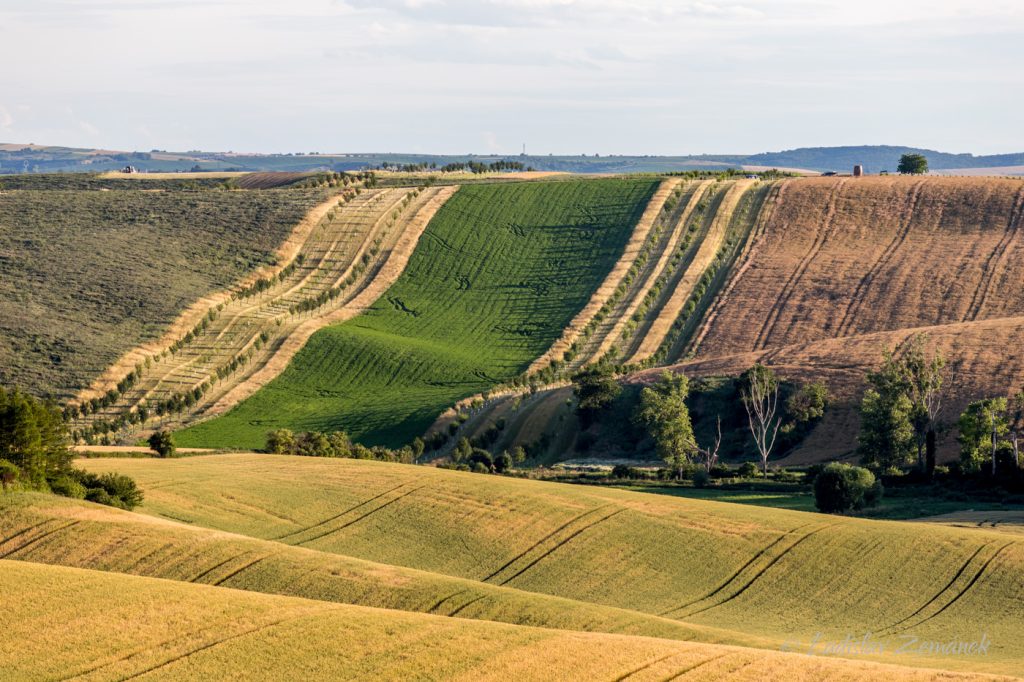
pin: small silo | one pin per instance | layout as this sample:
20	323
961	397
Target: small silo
858	170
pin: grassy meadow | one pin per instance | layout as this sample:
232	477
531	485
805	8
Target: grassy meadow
87	275
500	270
772	574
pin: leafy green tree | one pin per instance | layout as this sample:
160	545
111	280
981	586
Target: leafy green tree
807	403
462	450
340	444
841	488
595	388
760	395
418	446
983	427
912	164
280	442
900	410
664	412
33	437
162	443
8	473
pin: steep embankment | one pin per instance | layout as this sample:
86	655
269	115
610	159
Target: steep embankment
498	274
767	573
154	629
340	261
87	275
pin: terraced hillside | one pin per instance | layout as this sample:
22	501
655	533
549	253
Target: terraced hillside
153	629
498	274
338	267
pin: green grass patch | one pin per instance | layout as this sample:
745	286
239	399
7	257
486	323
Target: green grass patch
497	275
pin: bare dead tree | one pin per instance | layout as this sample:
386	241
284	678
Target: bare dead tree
710	455
761	398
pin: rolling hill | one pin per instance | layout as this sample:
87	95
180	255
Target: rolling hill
157	629
770	574
498	273
87	275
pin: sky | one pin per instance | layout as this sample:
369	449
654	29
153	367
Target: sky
488	76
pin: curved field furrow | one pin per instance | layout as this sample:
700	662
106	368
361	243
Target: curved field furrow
576	328
850	316
258	334
154	629
679	292
996	259
554	539
892	253
786	293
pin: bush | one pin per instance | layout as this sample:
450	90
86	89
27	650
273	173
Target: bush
481	458
701	478
621	471
111	489
480	468
8	473
162	443
68	487
841	488
503	463
748	470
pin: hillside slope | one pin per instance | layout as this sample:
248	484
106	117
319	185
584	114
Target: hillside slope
153	629
87	275
772	574
841	257
499	272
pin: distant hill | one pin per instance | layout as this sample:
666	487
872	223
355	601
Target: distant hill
18	158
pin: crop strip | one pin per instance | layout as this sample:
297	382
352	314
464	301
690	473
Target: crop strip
38	538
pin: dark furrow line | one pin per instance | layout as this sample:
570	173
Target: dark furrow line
39	538
940	592
984	287
336	516
247	566
147	555
443	600
217	565
466	605
645	666
210	645
360	518
686	671
544	539
760	573
790	285
902	233
738	572
964	591
25	530
563	542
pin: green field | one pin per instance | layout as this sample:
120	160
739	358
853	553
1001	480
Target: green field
769	574
499	272
87	275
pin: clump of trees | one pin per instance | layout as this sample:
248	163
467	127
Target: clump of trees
466	457
989	435
337	444
900	410
34	455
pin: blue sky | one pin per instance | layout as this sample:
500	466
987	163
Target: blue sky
563	76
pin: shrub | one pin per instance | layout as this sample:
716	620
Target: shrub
748	470
701	479
480	468
8	473
111	489
68	487
503	463
482	458
280	442
841	488
162	443
621	471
